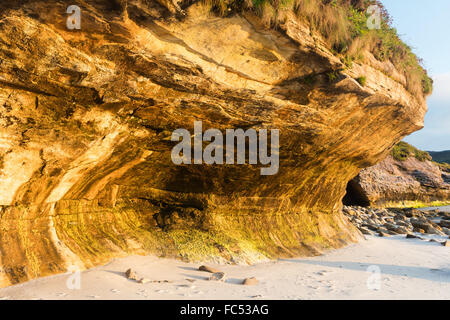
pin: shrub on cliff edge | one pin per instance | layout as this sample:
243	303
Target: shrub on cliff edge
403	151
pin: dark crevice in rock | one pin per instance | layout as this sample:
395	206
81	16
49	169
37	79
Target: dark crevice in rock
355	195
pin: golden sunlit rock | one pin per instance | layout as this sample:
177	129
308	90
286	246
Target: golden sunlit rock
87	115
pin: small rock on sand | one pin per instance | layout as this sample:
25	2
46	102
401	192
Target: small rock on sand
446	243
250	281
162	281
218	276
208	269
411	236
130	274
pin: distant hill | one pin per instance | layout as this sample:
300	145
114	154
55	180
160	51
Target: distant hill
443	156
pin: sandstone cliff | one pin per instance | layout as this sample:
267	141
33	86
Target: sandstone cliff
87	115
400	183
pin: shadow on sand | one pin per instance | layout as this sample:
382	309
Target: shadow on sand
438	275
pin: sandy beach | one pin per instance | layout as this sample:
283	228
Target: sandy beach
409	269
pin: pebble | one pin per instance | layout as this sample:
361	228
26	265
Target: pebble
130	274
250	281
218	276
208	269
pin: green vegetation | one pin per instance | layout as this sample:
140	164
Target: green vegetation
403	151
309	79
414	204
332	76
343	24
362	80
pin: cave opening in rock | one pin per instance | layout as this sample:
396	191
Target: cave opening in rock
355	195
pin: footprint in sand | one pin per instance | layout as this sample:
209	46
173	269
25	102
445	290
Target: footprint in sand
185	295
323	272
115	290
161	291
142	292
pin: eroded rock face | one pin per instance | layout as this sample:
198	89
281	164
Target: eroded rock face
392	182
87	115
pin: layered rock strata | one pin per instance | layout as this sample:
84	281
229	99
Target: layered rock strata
87	116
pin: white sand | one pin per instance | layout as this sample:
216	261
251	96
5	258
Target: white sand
410	269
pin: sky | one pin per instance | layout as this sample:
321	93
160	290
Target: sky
425	26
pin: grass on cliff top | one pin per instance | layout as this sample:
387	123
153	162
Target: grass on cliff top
403	151
343	24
